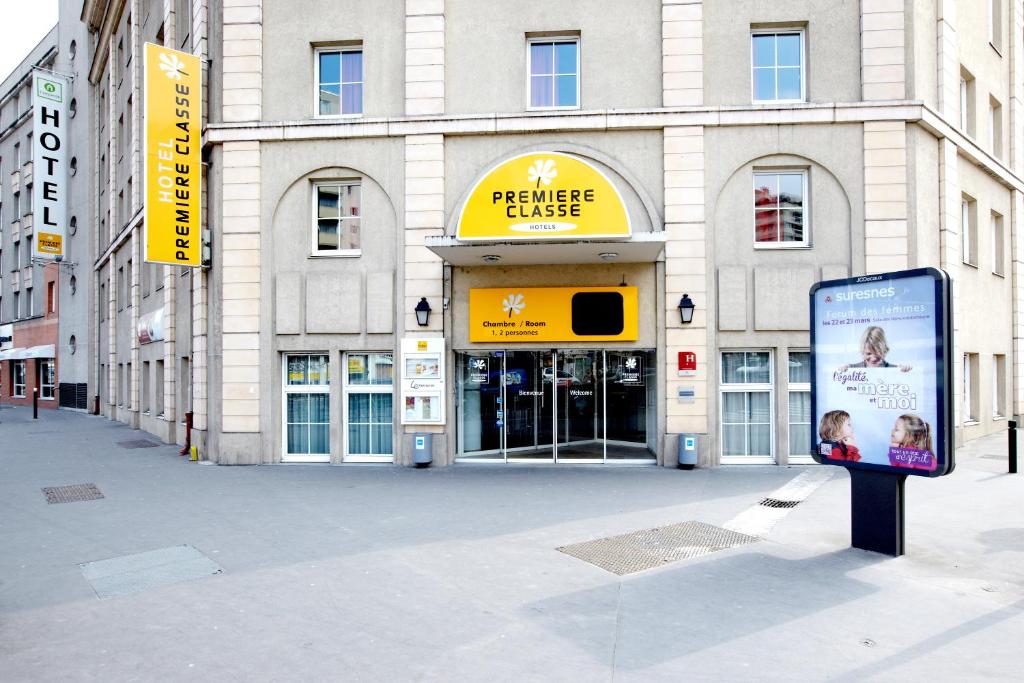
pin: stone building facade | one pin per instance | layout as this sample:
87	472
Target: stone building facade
757	147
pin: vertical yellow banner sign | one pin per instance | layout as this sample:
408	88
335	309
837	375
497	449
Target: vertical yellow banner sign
173	99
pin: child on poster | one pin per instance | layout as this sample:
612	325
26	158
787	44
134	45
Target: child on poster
910	443
873	349
837	439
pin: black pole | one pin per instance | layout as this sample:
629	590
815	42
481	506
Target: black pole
1012	434
35	403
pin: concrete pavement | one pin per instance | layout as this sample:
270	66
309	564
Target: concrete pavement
386	573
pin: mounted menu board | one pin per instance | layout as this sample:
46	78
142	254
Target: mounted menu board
423	381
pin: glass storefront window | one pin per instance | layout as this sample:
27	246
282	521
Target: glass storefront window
369	405
46	378
746	406
307	408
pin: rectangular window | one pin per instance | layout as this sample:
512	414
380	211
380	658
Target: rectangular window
777	60
998	243
995	127
554	73
995	24
966	102
998	386
369	415
339	75
183	24
144	399
184	388
18	378
158	388
336	229
29	303
128	284
51	297
968	230
970	405
122	390
306	408
799	406
47	379
780	208
128	386
746	407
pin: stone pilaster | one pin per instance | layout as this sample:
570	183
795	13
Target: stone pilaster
886	240
424	216
135	45
948	63
200	278
882	50
950	246
1017	288
424	57
685	273
682	52
1016	85
240	256
112	229
170	276
135	297
243	60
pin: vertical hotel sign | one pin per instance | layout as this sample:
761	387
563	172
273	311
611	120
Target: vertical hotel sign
49	145
173	233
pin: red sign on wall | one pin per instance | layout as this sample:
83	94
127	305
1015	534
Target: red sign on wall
687	363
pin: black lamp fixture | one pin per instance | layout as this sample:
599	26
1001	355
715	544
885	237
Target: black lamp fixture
686	307
422	312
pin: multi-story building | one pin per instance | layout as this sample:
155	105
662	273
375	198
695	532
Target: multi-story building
43	313
745	150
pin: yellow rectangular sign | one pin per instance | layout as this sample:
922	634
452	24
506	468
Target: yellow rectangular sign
548	314
173	117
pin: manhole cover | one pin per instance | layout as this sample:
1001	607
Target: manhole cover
641	550
137	443
776	503
71	494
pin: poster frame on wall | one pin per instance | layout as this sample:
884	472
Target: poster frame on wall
944	429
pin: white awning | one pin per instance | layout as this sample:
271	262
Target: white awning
43	351
644	247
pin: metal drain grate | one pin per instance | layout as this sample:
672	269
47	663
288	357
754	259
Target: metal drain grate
137	443
776	503
641	550
71	494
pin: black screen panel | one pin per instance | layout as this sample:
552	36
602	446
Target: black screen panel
597	314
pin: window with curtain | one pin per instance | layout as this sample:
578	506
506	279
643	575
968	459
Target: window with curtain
800	404
369	404
746	394
339	82
778	66
307	406
554	68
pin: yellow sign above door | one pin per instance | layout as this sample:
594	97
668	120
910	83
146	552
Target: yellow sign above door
549	314
543	195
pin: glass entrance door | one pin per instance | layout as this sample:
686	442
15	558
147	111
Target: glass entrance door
570	405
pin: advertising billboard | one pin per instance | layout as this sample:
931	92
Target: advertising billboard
544	314
173	165
49	150
881	394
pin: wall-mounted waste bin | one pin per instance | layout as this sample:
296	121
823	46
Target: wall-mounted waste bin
421	450
687	451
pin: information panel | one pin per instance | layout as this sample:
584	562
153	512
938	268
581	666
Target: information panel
173	173
543	314
423	381
881	361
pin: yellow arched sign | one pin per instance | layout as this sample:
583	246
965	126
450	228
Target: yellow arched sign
543	195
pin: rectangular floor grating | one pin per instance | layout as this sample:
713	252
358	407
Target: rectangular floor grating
142	571
776	503
137	443
641	550
71	494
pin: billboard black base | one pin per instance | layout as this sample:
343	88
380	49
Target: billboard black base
876	511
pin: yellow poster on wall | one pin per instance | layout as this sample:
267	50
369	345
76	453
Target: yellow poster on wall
543	195
173	117
548	314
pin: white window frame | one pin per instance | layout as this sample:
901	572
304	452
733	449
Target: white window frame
998	244
44	387
314	251
797	388
803	64
355	47
969	418
579	76
15	391
347	389
724	388
998	392
968	250
287	389
995	25
805	243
